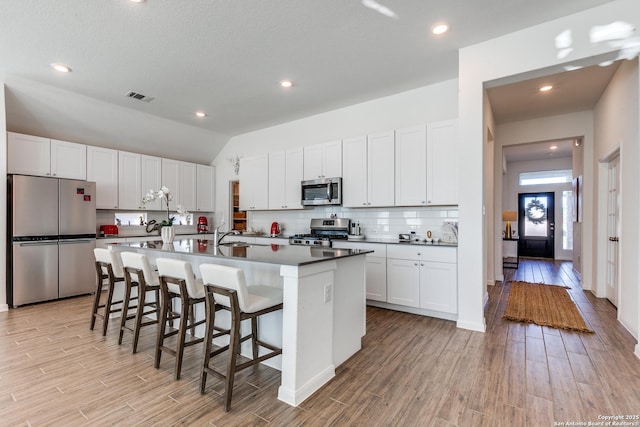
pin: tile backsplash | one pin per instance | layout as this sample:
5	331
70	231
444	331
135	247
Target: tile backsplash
374	222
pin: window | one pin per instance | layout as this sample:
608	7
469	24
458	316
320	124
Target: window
567	220
546	177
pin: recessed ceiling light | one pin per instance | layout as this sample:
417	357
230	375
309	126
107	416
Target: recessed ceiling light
553	147
440	29
201	114
136	1
286	83
61	68
546	88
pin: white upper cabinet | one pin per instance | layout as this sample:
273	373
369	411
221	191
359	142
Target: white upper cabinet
254	183
411	166
171	180
34	155
29	155
187	192
354	172
150	179
380	169
205	188
68	160
323	160
367	170
285	176
129	181
102	167
442	163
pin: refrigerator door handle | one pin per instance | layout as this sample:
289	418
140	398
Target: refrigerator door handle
39	243
73	242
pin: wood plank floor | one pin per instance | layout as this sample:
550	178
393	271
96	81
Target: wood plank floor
412	370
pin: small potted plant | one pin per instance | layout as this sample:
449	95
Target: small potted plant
166	225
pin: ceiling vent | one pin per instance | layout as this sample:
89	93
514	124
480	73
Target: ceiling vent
139	96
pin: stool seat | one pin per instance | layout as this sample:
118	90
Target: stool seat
227	289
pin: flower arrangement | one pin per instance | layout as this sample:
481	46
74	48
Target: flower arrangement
164	194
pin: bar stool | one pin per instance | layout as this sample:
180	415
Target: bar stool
177	281
108	267
136	266
226	287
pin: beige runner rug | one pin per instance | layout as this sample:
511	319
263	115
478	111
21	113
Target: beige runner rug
544	305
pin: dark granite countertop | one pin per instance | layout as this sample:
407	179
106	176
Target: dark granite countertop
254	252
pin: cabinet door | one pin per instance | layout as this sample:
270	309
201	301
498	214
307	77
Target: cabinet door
254	183
151	179
438	287
403	282
102	167
442	161
28	155
171	180
68	160
205	185
293	177
277	180
354	172
411	170
332	159
376	278
187	183
380	169
129	181
313	161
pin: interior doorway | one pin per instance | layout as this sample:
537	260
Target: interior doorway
613	228
536	224
238	217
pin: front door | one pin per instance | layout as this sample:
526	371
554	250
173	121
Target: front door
536	225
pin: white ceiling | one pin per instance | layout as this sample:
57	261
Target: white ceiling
226	57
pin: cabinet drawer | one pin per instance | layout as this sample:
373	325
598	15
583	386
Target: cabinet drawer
422	253
379	249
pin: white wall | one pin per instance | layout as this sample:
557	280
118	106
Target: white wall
3	204
517	53
427	104
563	126
490	195
616	126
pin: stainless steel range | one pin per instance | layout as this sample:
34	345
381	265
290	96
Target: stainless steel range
323	231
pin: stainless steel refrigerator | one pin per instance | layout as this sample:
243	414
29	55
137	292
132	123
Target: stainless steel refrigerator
52	231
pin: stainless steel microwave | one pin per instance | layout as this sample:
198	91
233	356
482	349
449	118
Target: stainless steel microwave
325	191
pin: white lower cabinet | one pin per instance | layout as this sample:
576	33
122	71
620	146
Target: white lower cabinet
403	282
423	277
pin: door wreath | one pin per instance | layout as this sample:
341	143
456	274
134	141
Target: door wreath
536	212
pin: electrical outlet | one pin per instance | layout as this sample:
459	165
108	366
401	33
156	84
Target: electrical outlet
327	292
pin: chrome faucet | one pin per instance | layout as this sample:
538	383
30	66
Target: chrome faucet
217	237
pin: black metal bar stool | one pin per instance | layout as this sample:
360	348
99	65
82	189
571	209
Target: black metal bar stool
226	288
139	276
108	267
177	281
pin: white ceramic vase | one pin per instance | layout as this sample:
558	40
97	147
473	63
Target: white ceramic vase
168	234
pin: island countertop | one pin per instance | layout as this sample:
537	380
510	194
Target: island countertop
254	252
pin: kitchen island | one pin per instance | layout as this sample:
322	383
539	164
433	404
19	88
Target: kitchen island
323	317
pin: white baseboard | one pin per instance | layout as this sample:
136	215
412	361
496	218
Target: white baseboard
296	397
637	352
472	326
4	307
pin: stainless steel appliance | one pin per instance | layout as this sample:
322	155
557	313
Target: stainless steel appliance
323	231
51	236
325	191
